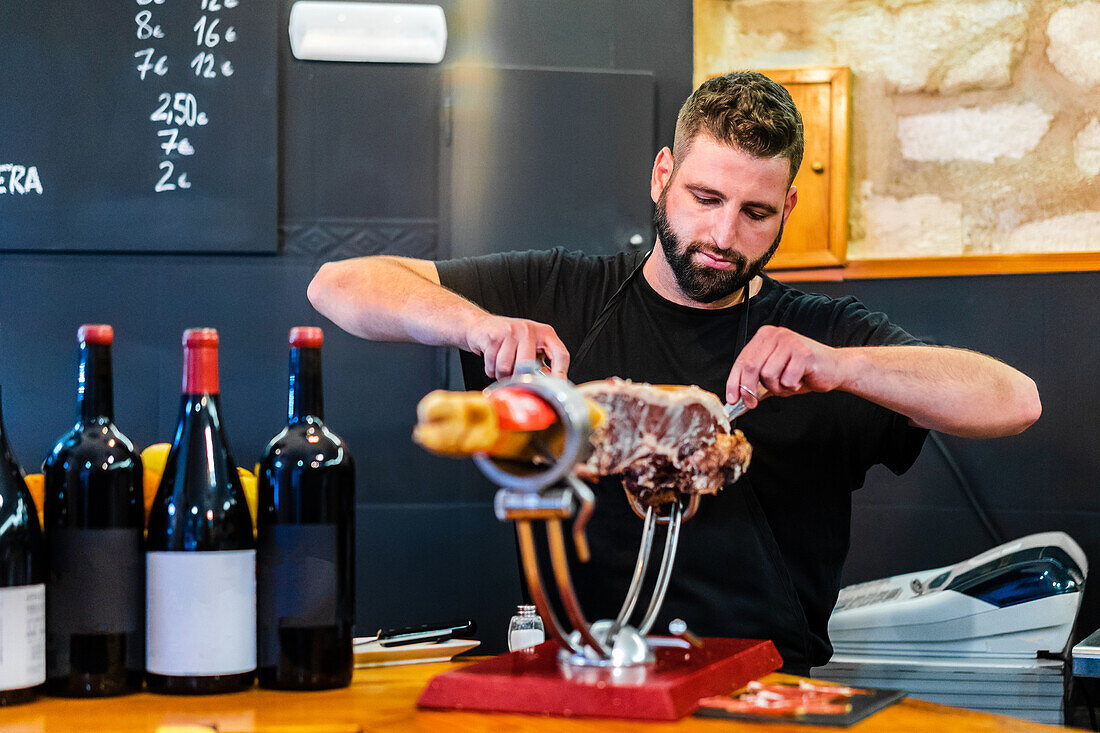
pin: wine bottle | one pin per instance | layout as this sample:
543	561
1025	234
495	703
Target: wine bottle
22	585
95	591
200	555
306	531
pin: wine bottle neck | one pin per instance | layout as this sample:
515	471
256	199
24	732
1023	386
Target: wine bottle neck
200	404
200	370
94	383
306	399
200	415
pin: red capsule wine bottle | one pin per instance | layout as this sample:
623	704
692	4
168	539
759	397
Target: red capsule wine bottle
95	516
200	560
22	585
306	531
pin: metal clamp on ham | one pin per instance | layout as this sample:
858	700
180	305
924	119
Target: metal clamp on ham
538	436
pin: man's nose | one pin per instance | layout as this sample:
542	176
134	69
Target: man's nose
724	234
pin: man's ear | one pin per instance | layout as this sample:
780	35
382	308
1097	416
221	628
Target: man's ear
788	204
662	173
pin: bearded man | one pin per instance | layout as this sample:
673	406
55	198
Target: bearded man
846	389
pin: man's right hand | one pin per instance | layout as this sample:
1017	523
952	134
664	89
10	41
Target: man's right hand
504	342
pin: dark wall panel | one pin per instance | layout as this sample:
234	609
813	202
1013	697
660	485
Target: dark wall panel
252	303
43	300
654	38
1043	479
651	36
150	301
438	563
360	141
535	159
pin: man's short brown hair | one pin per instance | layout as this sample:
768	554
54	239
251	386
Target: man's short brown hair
745	109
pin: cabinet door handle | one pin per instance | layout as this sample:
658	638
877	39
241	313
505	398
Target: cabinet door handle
817	167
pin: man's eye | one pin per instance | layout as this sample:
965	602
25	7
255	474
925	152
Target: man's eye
756	215
704	200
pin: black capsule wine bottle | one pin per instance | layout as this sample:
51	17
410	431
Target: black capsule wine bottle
95	516
200	558
22	585
306	530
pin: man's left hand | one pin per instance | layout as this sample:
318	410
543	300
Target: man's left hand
778	361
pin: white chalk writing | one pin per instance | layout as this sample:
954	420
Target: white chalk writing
179	113
19	179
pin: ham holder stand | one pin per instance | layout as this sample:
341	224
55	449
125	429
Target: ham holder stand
608	668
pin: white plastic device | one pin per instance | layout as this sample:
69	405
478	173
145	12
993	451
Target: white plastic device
1012	601
360	31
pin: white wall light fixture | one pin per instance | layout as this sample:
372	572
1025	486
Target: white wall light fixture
357	31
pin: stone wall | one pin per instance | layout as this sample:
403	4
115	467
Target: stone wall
975	125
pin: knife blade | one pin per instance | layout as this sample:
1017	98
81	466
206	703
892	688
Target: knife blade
736	409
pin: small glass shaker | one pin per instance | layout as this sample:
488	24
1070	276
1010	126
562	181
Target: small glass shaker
525	629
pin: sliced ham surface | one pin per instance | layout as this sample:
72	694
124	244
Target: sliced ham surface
665	441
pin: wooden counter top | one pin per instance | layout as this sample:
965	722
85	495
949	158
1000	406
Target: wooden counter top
384	699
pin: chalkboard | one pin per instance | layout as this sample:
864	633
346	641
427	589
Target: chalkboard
138	126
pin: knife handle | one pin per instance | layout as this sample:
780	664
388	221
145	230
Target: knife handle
425	633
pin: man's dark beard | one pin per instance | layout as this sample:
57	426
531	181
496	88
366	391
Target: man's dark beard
701	283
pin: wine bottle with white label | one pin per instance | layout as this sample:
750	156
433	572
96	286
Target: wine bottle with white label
200	560
306	539
22	585
95	515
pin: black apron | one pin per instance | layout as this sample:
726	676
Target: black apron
742	588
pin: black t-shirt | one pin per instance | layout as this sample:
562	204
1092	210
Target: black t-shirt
763	558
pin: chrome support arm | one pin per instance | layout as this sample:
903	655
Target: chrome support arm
552	493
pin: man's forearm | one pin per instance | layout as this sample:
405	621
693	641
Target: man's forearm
951	390
400	299
388	299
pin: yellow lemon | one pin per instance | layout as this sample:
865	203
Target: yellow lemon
248	483
36	482
153	459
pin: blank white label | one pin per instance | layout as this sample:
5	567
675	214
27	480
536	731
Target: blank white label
200	612
22	636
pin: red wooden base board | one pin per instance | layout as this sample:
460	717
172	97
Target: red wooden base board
531	681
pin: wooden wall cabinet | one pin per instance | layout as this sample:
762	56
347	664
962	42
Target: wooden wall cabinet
816	234
815	240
